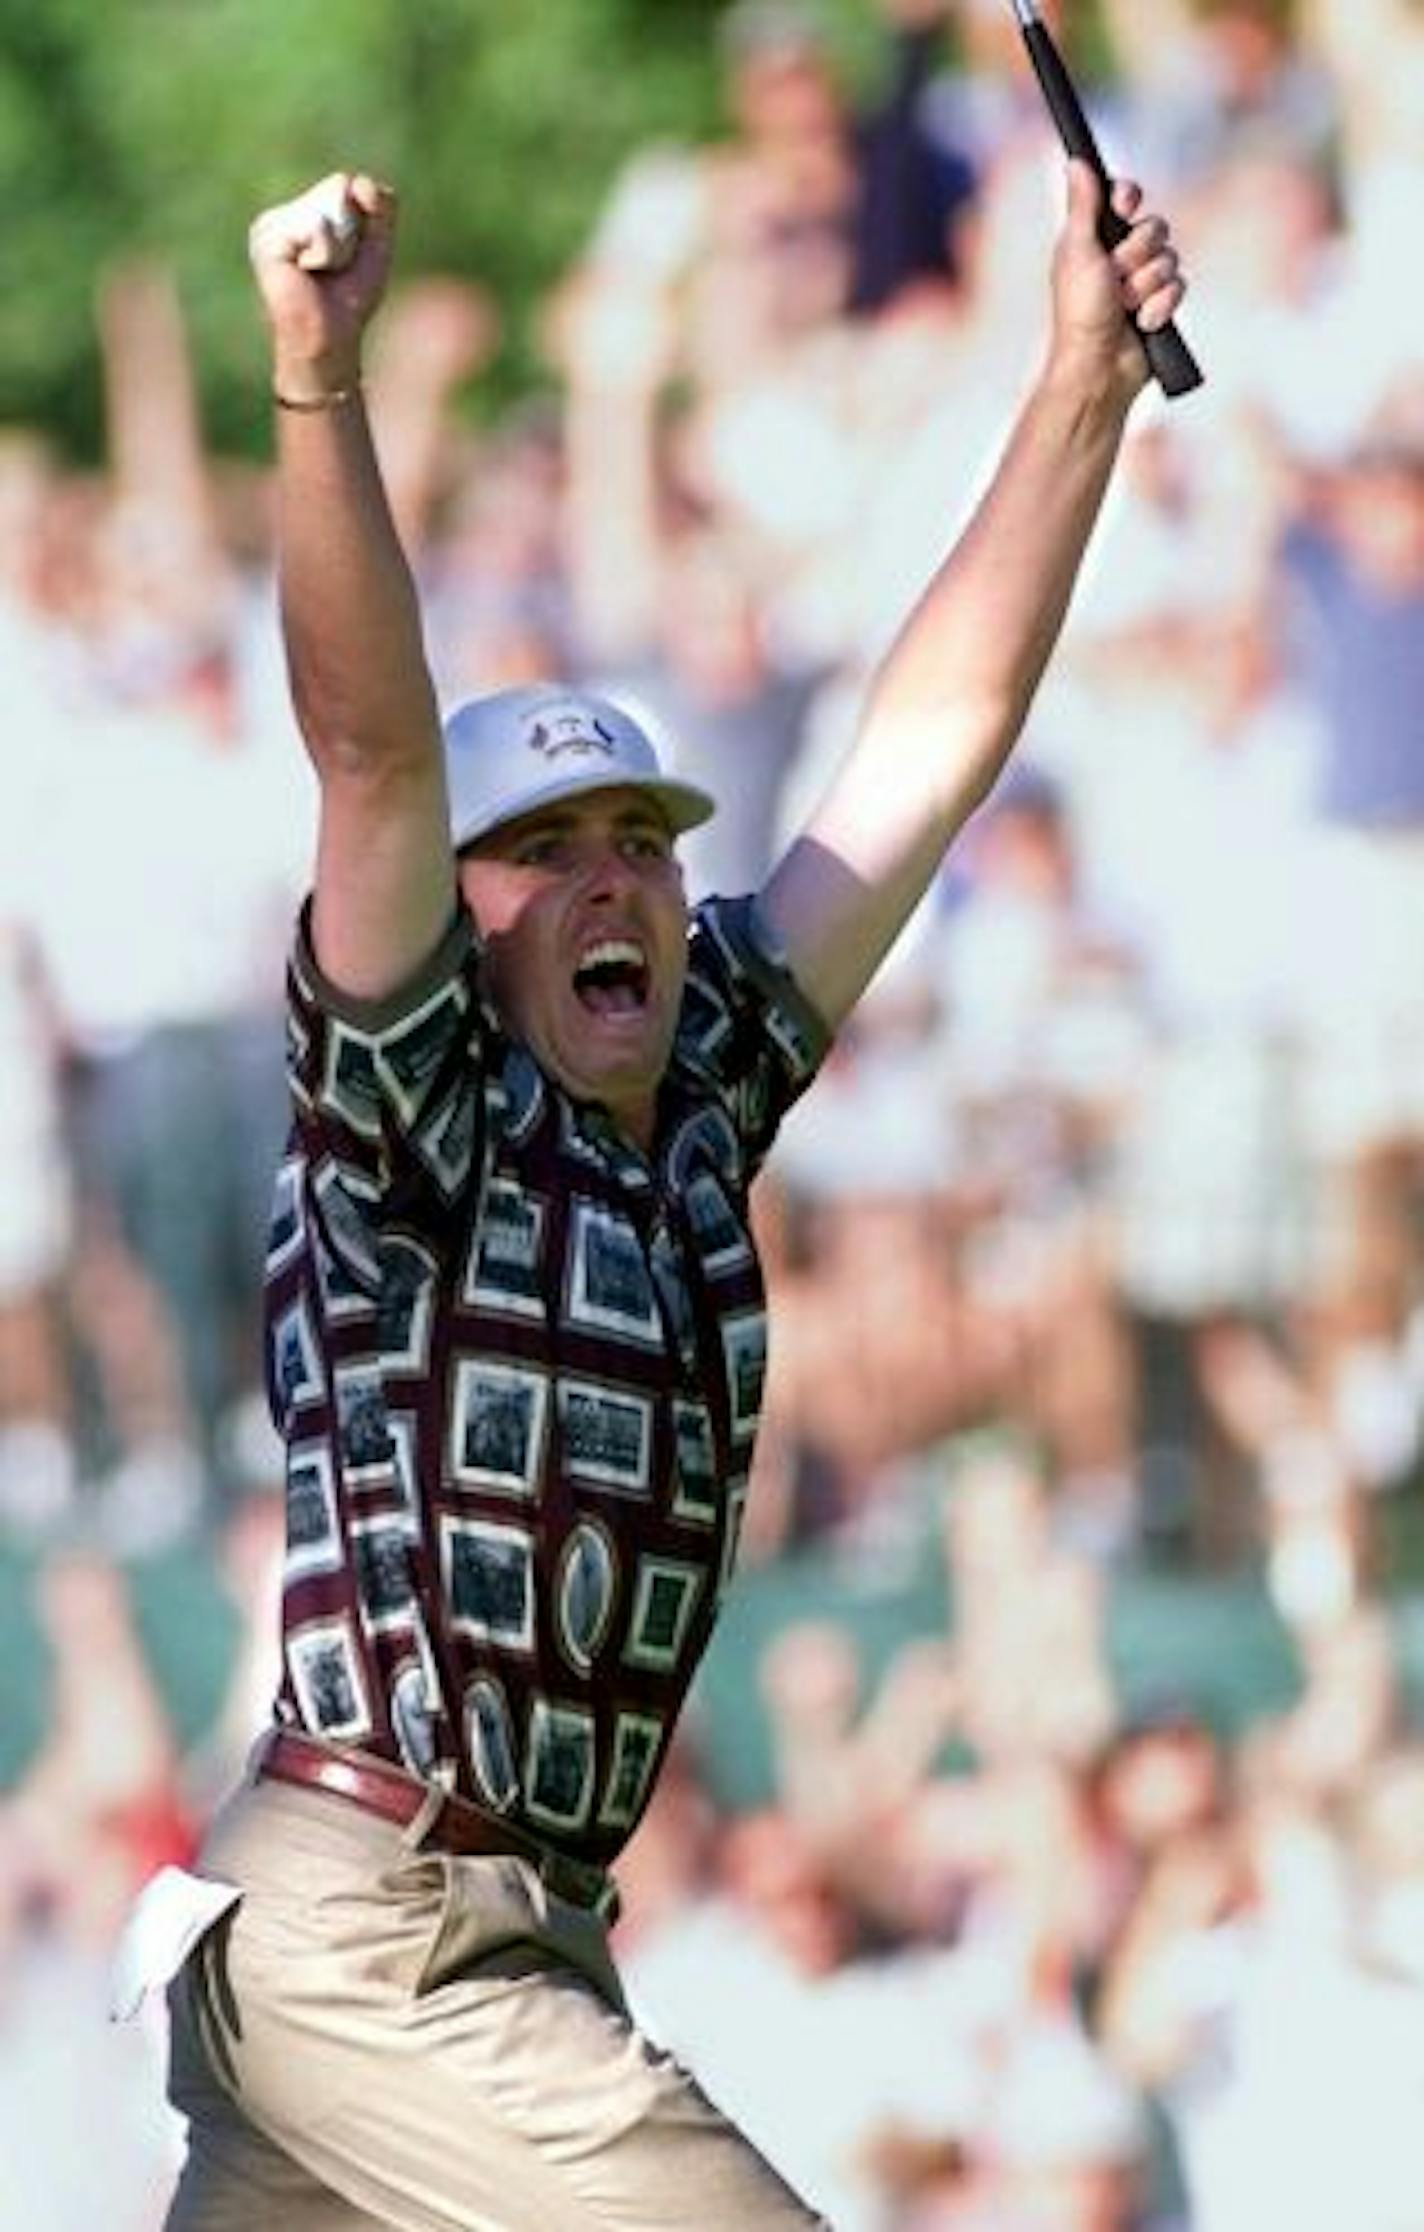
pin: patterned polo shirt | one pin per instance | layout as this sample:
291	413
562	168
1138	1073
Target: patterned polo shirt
518	1369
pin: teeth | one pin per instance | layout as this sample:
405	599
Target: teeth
611	952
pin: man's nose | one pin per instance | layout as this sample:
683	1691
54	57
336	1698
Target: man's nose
608	873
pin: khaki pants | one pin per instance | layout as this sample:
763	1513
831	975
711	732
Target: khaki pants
381	2036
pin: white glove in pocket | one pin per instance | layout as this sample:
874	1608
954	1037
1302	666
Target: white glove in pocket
172	1912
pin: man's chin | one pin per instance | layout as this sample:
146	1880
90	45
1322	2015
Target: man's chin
609	1059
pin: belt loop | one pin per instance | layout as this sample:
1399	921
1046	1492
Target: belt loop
256	1760
423	1820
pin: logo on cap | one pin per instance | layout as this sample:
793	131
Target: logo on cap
571	732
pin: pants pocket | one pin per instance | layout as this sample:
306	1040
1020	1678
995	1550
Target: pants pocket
498	1925
205	2021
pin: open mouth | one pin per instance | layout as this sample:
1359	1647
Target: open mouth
613	978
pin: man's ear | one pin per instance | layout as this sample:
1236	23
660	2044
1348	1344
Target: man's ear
464	884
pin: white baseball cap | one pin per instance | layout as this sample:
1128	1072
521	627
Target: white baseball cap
517	750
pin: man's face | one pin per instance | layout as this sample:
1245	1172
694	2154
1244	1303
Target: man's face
582	909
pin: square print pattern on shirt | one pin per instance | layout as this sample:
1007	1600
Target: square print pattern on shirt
518	1359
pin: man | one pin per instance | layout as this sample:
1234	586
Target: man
515	1317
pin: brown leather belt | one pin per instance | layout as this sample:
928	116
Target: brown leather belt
459	1827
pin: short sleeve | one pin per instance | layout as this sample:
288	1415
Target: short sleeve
377	1085
748	1032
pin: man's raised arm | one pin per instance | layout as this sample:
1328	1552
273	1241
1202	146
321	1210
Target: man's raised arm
952	693
361	688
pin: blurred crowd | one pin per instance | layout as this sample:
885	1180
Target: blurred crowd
1106	1220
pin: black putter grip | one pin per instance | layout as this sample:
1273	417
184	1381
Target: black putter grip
1174	368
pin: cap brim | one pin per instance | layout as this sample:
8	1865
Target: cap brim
685	805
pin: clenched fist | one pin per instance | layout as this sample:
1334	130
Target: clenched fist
321	262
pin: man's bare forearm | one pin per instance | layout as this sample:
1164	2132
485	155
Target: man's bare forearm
956	685
950	697
360	682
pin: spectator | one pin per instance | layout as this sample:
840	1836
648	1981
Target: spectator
1236	1989
96	1812
1214	78
1355	572
173	1062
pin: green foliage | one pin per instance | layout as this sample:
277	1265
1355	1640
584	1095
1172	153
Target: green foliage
161	126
